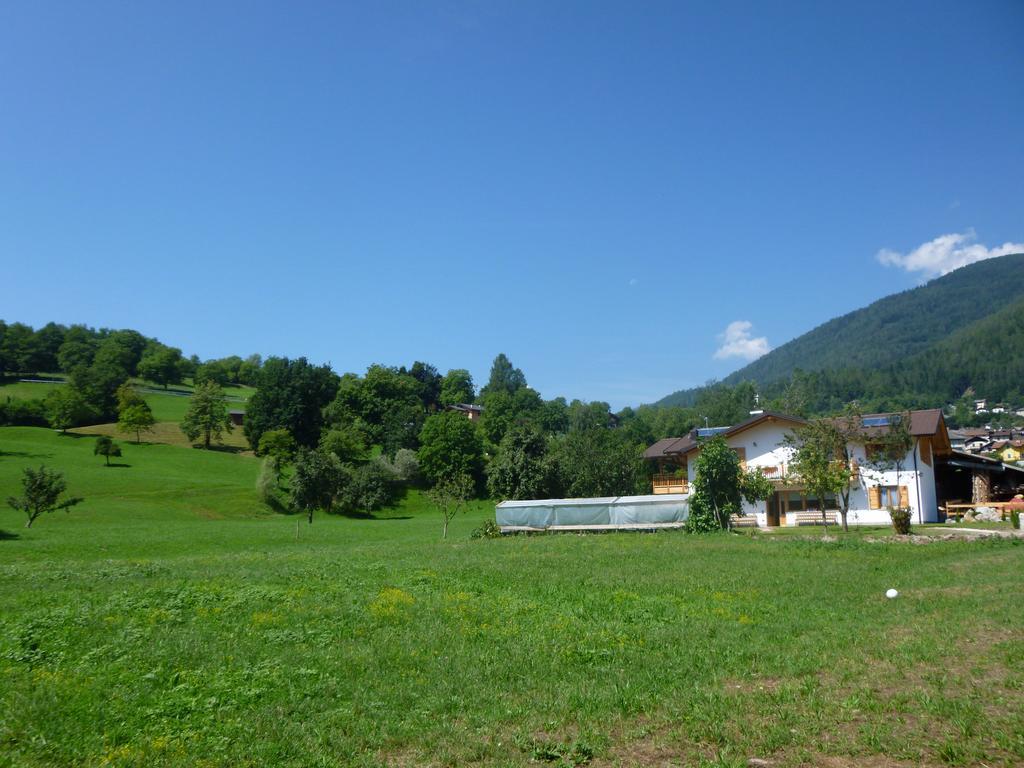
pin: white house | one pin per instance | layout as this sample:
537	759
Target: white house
760	443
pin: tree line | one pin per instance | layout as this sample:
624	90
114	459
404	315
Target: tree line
97	362
351	442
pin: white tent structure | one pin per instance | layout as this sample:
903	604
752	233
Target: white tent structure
642	513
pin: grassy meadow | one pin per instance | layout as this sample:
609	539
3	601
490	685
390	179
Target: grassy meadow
168	407
171	619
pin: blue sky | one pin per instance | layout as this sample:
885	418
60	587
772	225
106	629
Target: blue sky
625	198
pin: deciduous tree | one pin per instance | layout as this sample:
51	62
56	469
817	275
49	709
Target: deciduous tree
521	469
161	365
450	445
720	487
451	495
207	414
106	448
279	444
65	407
457	387
291	395
317	481
136	419
43	488
597	462
822	461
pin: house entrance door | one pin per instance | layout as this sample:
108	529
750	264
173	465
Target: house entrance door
775	509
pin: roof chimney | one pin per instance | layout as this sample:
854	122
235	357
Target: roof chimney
758	410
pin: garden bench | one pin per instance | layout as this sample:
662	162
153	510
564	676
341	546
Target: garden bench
814	518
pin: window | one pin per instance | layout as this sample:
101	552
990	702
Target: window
889	495
830	503
797	501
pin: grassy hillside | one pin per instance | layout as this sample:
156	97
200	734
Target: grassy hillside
150	479
170	620
168	408
891	330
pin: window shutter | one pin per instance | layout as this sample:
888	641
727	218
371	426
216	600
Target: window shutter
904	497
926	451
874	501
742	453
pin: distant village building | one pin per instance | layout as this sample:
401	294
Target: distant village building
237	417
473	412
1011	451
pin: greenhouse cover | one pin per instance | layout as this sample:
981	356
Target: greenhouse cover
611	511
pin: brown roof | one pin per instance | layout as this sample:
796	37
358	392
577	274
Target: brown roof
680	446
922	423
669	446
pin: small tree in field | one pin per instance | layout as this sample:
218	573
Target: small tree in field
42	490
65	407
821	459
207	414
720	487
136	418
450	495
318	480
106	448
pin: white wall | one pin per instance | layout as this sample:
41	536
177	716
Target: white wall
765	447
923	509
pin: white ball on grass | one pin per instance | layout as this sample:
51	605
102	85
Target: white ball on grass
891	593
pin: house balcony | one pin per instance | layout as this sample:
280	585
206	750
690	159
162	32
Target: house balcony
668	483
778	475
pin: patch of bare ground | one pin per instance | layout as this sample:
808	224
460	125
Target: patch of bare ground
751	685
863	761
407	758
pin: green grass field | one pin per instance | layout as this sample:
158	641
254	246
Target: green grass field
168	409
169	405
171	619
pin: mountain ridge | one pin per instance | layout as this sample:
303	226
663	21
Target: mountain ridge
890	331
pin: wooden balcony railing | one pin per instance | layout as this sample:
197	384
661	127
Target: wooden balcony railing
668	484
775	474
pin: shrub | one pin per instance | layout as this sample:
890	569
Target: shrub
1015	519
346	443
267	481
702	517
406	466
23	413
900	519
489	530
371	487
277	443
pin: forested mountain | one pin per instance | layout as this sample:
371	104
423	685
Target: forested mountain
959	330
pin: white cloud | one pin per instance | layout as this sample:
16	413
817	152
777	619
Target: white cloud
944	254
736	342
